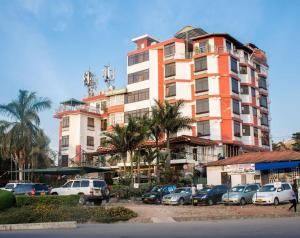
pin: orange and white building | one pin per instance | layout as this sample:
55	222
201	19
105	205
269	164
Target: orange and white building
222	81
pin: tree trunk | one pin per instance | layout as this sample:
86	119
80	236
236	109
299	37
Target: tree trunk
149	173
20	165
157	163
131	167
168	159
138	169
124	158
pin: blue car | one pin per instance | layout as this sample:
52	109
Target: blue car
156	194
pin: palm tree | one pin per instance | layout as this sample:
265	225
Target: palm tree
170	119
23	124
149	155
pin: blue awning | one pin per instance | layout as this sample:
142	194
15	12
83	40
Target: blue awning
277	165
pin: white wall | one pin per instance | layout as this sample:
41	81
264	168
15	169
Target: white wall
214	175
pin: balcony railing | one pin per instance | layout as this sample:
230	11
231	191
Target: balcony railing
85	108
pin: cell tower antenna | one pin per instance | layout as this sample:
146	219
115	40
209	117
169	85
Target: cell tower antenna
90	81
109	76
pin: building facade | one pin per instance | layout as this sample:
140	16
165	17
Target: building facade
223	83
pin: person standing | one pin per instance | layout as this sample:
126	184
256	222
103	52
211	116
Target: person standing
295	189
194	190
293	201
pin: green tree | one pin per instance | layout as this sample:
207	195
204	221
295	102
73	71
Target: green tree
296	144
23	125
149	155
171	120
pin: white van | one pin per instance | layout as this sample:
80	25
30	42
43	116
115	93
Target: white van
273	193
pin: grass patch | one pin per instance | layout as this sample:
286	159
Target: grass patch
70	200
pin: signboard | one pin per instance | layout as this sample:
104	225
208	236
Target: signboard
199	186
240	169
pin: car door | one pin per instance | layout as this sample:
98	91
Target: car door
66	188
287	192
75	189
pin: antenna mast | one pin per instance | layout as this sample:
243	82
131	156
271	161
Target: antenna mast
109	76
90	82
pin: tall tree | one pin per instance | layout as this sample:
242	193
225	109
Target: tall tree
23	124
296	144
171	121
149	155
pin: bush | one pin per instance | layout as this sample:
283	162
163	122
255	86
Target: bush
7	200
124	192
71	200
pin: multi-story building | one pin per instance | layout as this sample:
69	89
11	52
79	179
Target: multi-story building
222	82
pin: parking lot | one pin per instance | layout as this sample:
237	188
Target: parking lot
163	213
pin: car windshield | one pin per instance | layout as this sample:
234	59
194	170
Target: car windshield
204	190
180	190
9	186
237	189
267	188
156	189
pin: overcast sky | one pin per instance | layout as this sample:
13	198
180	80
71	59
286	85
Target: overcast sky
45	46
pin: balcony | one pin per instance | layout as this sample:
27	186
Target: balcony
81	108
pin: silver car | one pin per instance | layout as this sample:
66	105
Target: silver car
180	196
241	194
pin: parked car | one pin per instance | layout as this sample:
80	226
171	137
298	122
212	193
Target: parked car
94	190
31	189
210	195
180	196
241	194
273	193
157	193
9	186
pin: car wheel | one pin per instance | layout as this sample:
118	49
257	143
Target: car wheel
276	201
210	202
181	201
243	202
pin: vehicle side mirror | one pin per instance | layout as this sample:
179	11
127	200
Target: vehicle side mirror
279	190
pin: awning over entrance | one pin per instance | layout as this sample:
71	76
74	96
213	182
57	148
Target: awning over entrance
277	165
66	170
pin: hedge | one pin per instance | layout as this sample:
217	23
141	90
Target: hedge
7	200
52	213
71	200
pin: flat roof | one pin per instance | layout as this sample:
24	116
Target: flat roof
144	36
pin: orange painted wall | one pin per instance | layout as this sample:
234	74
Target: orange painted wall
161	87
78	153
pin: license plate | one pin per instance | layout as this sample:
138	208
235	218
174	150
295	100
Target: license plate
195	201
260	200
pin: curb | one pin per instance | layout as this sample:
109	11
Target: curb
39	226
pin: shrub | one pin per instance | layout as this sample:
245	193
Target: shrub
71	200
7	199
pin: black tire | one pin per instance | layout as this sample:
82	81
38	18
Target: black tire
276	201
243	202
55	193
181	202
210	202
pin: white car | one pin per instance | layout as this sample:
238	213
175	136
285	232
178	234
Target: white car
10	186
273	193
90	190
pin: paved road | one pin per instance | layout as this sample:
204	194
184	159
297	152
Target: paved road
276	227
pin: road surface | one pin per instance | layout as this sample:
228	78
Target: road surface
275	227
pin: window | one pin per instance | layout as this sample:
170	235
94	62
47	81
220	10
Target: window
264	119
84	183
265	139
91	122
257	67
285	186
255	132
136	113
262	83
263	100
102	141
171	90
99	184
244	90
246	130
138	58
245	109
116	118
201	85
64	160
253	94
65	122
202	106
65	141
254	111
170	70
228	46
138	76
76	184
237	129
137	96
235	106
234	85
246	56
234	65
203	47
103	106
243	69
252	73
201	64
90	141
103	124
68	184
203	128
169	50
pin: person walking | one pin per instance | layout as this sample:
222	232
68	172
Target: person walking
293	201
295	189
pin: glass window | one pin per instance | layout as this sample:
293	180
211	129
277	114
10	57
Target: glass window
138	58
103	105
90	141
84	183
252	73
228	46
203	128
254	111
137	96
246	130
245	109
103	124
263	100
235	106
255	132
262	83
264	119
99	184
201	64
76	184
285	186
253	93
243	69
68	184
169	50
234	85
138	76
237	128
170	70
65	141
90	122
202	106
65	122
203	47
171	90
136	113
244	89
234	65
265	139
246	55
201	85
